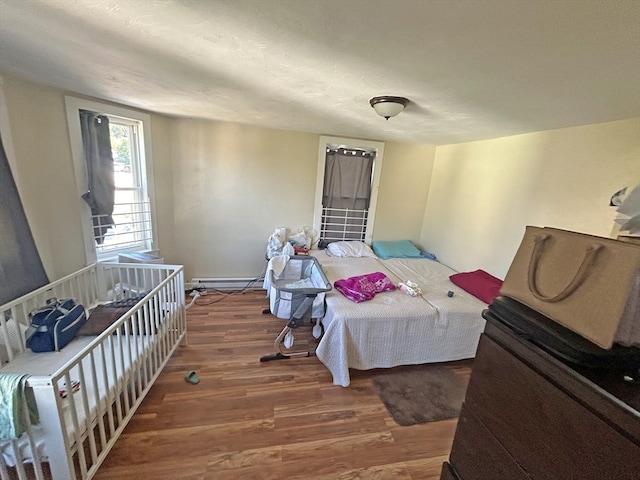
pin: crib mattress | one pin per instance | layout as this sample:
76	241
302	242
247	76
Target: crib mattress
395	328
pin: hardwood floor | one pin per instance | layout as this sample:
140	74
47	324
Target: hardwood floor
274	420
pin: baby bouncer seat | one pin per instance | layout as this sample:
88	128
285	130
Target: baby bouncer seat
296	287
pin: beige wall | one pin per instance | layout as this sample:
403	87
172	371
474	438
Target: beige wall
234	184
45	177
162	166
402	198
484	193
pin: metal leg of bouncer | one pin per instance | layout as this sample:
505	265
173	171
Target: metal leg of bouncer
296	320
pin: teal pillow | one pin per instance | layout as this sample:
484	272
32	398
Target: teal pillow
397	249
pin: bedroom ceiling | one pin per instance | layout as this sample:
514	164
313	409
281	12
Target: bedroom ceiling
471	69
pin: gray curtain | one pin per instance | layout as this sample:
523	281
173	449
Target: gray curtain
96	140
21	269
347	179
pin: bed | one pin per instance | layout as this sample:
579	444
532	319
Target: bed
114	367
395	328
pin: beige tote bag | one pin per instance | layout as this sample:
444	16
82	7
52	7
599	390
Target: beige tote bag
589	284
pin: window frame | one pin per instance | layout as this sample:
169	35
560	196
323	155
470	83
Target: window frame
73	106
326	141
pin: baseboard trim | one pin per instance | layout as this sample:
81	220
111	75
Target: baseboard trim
227	283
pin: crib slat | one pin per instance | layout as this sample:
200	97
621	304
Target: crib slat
37	467
4	473
19	460
100	410
122	341
77	432
109	397
88	418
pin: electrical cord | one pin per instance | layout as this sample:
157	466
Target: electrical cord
225	294
190	291
193	301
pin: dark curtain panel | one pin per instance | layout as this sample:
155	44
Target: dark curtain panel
21	269
347	179
98	158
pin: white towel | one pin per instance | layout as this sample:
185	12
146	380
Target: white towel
276	265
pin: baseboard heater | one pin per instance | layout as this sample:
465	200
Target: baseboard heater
227	283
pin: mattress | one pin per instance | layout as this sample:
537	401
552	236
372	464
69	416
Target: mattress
395	328
433	279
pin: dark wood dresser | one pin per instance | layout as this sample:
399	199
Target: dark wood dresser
528	415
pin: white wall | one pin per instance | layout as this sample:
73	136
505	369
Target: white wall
483	194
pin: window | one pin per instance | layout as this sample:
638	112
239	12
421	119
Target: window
130	228
346	210
131	212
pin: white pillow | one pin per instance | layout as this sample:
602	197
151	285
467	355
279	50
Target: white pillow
350	249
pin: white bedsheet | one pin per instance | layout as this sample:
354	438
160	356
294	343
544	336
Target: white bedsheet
395	328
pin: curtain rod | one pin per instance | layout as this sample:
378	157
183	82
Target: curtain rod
353	151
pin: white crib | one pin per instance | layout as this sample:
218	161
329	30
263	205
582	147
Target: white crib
115	369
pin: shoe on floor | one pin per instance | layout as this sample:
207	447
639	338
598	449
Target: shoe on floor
191	377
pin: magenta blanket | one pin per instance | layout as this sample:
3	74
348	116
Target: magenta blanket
364	287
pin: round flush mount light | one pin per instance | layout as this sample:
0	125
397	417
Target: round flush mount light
388	106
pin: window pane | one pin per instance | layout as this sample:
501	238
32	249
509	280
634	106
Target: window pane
121	149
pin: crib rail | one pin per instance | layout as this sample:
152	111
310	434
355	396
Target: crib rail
115	369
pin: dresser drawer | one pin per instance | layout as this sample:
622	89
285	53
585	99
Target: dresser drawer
551	434
448	472
477	455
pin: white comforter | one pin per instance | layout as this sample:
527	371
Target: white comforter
395	328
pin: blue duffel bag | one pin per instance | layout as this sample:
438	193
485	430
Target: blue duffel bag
54	325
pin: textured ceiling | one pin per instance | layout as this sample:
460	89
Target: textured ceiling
472	69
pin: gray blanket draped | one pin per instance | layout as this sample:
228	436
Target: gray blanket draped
21	269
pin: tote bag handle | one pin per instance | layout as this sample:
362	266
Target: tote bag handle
588	260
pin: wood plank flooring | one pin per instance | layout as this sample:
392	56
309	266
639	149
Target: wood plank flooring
282	419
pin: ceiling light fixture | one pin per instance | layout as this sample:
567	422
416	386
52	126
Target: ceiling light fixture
387	106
